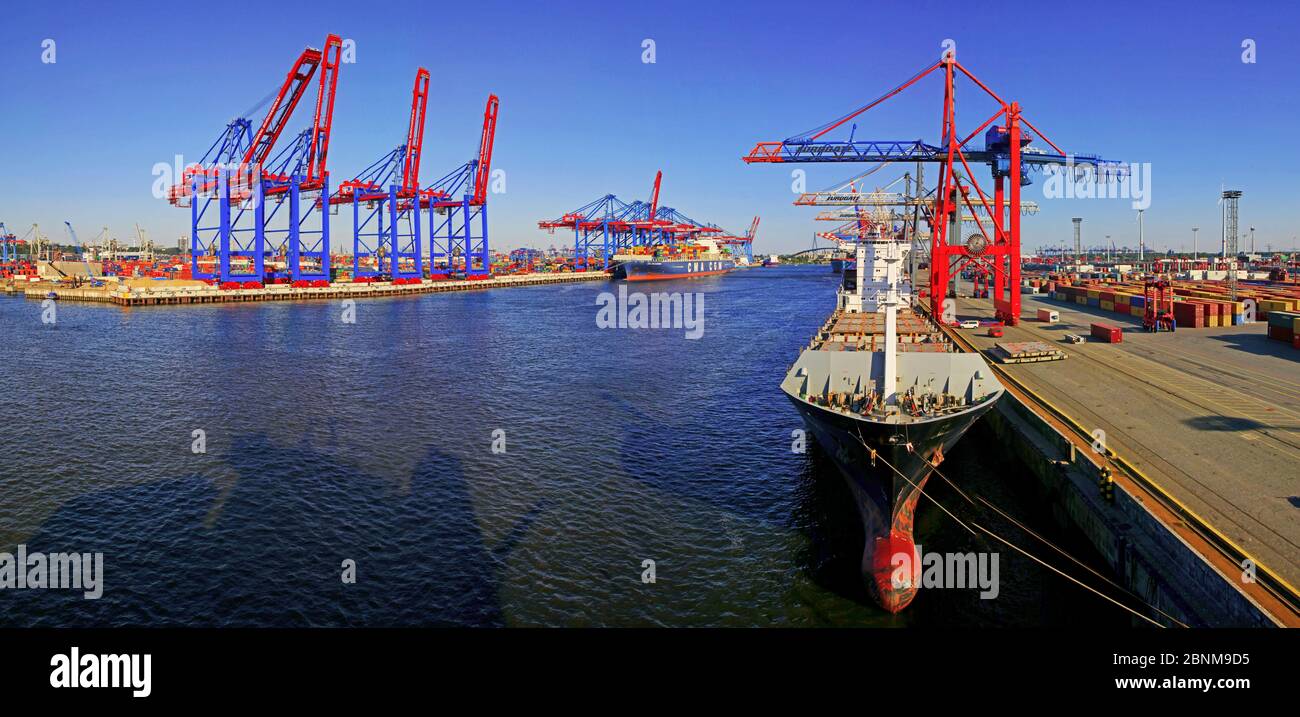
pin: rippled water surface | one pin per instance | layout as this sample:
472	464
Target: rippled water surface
371	442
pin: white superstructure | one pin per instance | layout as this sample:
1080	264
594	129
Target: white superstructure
880	287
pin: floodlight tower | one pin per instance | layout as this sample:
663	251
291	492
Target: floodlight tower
1230	197
1141	244
1078	234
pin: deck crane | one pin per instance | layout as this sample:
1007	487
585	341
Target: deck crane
386	201
995	248
458	201
238	174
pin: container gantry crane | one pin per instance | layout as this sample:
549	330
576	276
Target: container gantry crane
238	175
745	242
386	203
996	248
458	201
8	245
610	226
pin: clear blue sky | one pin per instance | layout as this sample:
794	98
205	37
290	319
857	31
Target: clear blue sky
582	115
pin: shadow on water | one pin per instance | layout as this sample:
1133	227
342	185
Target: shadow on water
824	512
272	555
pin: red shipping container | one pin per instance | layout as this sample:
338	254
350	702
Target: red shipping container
1281	333
1107	333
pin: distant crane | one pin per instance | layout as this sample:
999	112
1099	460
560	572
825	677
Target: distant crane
609	225
745	241
72	233
8	245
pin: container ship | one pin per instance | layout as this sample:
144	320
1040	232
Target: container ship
700	259
887	395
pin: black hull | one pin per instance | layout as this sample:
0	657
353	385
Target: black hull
886	497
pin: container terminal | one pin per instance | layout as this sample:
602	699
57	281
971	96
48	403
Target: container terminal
1126	437
1121	381
260	213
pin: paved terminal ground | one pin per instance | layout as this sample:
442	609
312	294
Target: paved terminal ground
1212	415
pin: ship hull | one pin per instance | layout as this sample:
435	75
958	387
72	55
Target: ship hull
674	269
886	498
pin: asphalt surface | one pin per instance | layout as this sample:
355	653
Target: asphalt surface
1212	415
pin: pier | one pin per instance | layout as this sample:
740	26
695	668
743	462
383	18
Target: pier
166	293
1175	454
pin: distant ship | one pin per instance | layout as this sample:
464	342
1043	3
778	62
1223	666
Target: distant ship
887	396
772	260
700	259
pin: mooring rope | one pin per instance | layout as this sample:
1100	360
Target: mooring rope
1062	573
877	454
1053	546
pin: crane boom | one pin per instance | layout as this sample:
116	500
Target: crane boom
485	150
654	195
295	83
324	118
415	132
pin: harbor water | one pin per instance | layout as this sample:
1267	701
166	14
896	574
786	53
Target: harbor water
481	458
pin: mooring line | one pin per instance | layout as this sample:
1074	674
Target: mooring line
877	454
990	533
1054	546
1062	573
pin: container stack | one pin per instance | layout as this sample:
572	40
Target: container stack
1285	326
1192	309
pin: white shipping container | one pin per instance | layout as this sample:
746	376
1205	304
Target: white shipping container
1048	315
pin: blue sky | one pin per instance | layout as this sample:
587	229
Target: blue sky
582	115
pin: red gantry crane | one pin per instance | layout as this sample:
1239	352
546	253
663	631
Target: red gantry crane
995	248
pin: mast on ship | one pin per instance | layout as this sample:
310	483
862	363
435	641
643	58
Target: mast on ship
893	263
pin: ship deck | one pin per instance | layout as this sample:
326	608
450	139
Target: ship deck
866	332
1212	415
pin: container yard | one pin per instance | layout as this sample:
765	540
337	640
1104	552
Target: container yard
1170	406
